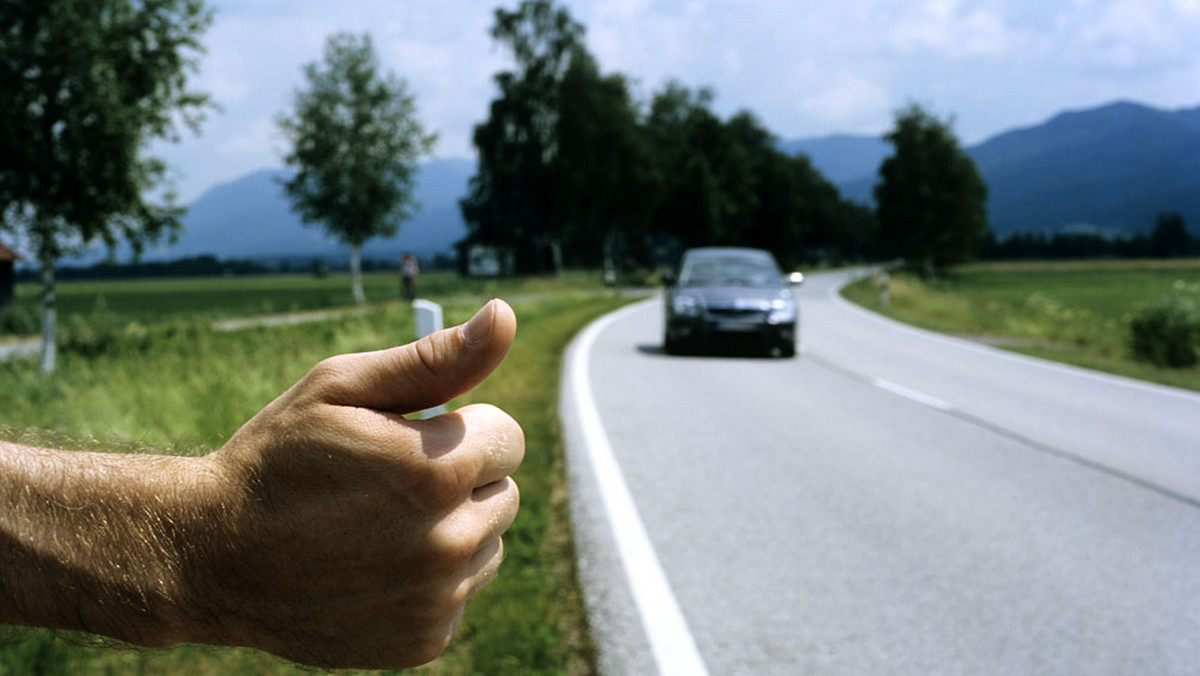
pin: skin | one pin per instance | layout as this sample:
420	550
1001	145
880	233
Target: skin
329	529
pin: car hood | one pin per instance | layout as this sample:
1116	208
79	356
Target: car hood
747	297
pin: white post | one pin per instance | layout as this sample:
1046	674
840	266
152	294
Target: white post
428	320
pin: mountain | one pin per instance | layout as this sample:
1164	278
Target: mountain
251	217
842	158
1113	168
1108	169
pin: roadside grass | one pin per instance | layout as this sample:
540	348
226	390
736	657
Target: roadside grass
155	301
1075	312
184	388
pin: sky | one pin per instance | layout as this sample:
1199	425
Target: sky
805	68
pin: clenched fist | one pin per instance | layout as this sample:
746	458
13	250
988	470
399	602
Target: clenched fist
329	529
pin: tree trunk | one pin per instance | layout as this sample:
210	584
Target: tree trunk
49	314
556	258
356	275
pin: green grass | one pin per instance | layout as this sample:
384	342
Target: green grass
1072	312
157	301
184	388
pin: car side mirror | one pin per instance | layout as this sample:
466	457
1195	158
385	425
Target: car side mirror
668	279
795	279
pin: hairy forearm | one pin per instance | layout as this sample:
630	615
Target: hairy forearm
98	542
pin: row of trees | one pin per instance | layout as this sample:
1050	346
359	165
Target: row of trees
1169	238
570	164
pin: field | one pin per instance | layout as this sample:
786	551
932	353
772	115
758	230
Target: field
176	385
1072	312
187	299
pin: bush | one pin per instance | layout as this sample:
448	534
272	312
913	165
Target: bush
19	319
1167	333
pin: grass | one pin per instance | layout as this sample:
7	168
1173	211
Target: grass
1075	312
157	301
184	388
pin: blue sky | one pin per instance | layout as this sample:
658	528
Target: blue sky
805	68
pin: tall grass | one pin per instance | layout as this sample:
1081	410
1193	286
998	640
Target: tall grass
185	388
1074	312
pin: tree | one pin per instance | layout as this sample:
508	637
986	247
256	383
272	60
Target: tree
603	166
512	202
931	201
1170	237
87	85
355	142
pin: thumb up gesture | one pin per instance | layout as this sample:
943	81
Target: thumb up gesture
342	534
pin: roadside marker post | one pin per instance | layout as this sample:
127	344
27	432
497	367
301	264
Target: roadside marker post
428	320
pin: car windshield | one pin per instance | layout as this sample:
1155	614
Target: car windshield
731	271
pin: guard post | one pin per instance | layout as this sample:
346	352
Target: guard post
428	320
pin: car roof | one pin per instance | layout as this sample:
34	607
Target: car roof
726	252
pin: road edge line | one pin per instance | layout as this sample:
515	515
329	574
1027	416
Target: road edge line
671	642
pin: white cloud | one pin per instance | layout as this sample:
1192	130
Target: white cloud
1135	35
805	68
943	27
255	145
850	103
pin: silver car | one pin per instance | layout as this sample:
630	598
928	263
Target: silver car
732	296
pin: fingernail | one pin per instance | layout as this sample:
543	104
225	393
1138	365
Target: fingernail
480	327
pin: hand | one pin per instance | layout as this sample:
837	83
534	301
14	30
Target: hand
329	530
348	535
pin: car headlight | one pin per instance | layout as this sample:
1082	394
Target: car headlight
685	306
783	311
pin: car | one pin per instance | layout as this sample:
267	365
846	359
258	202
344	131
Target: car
734	295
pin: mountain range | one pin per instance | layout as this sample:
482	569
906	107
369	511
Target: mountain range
251	217
1110	169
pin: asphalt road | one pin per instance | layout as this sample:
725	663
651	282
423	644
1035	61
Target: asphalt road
889	502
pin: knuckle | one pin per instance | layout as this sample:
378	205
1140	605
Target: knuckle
453	547
429	351
328	376
497	433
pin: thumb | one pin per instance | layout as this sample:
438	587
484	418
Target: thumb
431	370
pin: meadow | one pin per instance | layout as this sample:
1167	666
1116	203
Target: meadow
158	301
1076	312
167	382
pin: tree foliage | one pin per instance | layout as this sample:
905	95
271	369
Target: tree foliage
87	85
1170	237
513	200
568	159
931	201
356	141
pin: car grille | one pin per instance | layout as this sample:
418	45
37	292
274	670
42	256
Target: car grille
734	313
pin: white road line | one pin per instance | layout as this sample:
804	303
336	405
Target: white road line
674	649
914	395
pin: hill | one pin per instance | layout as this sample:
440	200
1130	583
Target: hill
1107	169
842	158
252	218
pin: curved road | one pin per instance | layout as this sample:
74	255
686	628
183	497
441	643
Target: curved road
891	501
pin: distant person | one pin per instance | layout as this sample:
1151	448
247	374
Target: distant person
409	271
329	530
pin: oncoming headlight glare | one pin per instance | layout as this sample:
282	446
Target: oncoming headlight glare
783	311
686	306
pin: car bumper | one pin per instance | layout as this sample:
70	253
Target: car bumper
708	329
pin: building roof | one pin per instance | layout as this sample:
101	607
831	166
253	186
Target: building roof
7	254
